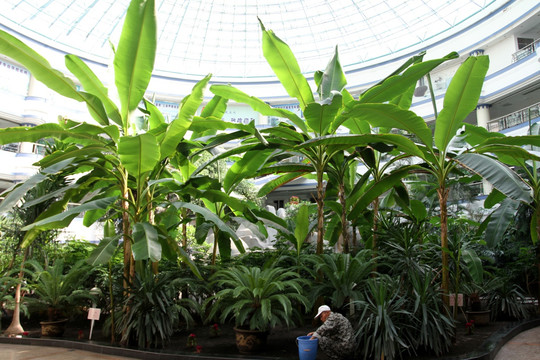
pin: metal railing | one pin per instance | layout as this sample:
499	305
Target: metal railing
515	118
16	148
526	51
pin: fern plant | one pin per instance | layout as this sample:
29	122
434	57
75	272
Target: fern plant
257	299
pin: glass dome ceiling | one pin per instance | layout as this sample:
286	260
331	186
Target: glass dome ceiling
223	37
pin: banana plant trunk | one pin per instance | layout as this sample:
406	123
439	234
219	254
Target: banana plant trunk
376	203
445	284
127	247
538	263
344	224
15	328
320	213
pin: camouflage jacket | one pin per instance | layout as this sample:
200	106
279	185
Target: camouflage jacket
336	336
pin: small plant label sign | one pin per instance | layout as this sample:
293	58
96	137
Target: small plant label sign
459	299
94	313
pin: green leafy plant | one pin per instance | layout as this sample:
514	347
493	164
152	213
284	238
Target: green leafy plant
432	323
383	327
344	277
507	301
57	289
154	309
257	299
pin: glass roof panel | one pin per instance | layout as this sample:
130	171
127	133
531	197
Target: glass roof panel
223	37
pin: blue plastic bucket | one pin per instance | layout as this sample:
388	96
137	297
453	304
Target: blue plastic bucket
307	348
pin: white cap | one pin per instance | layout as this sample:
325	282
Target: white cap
322	309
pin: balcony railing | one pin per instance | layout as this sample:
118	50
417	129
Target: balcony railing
515	118
16	148
526	51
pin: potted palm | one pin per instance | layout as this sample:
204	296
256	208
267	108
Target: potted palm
58	293
258	300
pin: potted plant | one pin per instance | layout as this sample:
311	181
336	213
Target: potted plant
258	300
477	309
58	293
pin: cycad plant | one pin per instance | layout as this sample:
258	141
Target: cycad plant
58	290
257	299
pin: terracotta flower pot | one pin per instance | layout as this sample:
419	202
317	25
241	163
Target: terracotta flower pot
250	341
481	317
53	328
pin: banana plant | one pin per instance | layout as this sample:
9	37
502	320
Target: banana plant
435	152
309	144
519	155
122	164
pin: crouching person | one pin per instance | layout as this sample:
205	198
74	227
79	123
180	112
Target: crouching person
336	335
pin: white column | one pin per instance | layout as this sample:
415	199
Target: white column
482	115
482	119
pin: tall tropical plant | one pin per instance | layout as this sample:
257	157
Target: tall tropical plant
437	154
523	191
312	142
120	164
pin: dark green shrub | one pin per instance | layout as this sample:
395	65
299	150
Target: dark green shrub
344	277
507	301
153	309
433	328
383	326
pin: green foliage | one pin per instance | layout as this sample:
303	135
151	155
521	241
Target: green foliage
155	309
404	247
383	327
507	301
257	299
344	277
433	328
56	290
7	301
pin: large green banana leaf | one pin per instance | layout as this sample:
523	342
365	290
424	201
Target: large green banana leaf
52	78
332	79
146	245
178	127
320	117
348	140
94	86
499	175
282	60
461	99
213	218
70	214
15	193
33	134
135	55
139	154
256	104
389	116
377	188
244	168
499	221
396	84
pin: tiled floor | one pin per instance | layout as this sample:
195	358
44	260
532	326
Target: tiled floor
30	352
525	345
